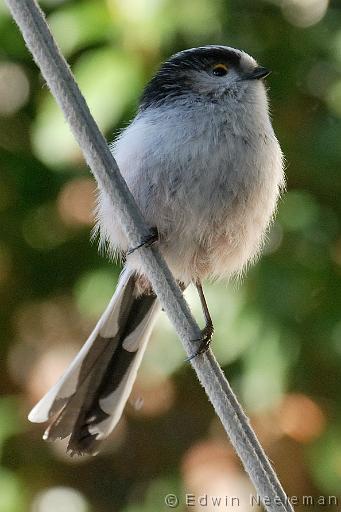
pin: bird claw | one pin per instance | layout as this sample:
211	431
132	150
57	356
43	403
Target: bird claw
147	241
205	341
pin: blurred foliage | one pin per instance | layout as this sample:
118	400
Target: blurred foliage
278	333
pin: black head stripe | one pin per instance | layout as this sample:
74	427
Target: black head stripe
199	58
172	80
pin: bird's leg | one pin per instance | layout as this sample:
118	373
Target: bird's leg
207	332
149	240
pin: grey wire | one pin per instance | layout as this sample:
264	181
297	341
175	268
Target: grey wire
58	76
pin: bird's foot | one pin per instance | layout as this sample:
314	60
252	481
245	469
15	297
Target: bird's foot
147	241
205	341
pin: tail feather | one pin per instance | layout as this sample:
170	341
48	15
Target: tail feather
87	402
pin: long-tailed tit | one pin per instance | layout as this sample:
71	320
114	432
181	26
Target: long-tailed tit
204	165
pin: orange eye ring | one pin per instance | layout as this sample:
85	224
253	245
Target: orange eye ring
220	69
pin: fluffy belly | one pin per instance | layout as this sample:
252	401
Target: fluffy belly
207	240
209	225
218	241
222	249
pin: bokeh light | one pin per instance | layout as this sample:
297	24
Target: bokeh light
211	469
150	399
76	202
60	498
14	88
301	418
304	13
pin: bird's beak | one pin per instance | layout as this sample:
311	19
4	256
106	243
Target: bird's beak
258	73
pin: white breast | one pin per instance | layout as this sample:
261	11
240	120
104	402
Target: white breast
208	179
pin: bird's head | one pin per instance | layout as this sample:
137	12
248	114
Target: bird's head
205	74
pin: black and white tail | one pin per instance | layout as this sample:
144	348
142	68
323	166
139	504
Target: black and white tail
87	401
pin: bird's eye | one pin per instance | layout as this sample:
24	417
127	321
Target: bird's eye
220	70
